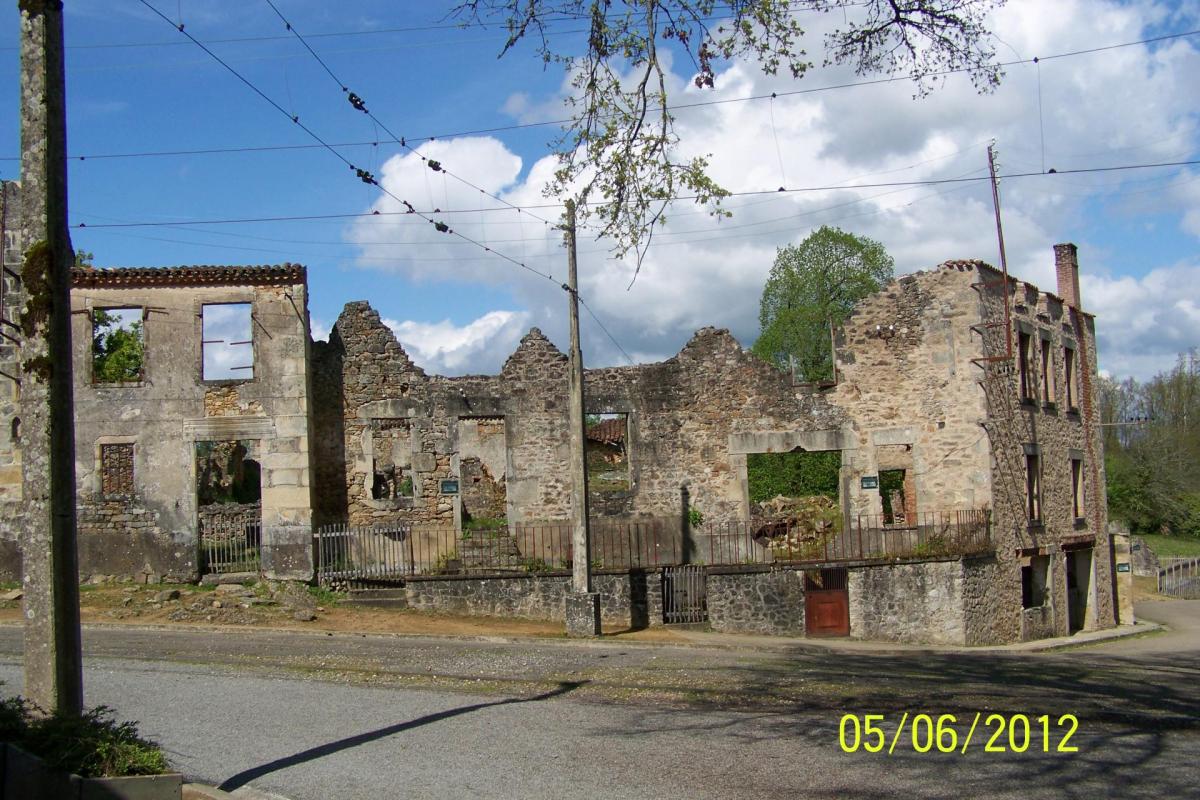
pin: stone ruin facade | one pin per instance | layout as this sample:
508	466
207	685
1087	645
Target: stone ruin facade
976	395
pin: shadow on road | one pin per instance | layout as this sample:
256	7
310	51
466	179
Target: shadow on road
330	748
1137	720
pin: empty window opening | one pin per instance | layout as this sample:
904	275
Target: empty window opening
227	472
482	464
1077	488
116	470
1033	488
1069	369
118	345
1034	578
1047	374
1023	355
15	429
796	474
794	501
607	448
897	494
391	444
227	341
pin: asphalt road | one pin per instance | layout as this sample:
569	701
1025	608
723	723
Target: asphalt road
316	717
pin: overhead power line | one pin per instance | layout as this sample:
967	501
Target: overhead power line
747	193
359	104
545	123
363	175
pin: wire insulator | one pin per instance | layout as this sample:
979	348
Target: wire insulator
357	102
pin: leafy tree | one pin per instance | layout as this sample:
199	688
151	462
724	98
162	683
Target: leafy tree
812	287
83	258
619	146
1152	449
117	349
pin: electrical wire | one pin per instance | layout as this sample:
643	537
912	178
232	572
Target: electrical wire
359	103
502	128
746	193
363	175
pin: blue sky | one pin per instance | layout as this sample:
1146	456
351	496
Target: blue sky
136	85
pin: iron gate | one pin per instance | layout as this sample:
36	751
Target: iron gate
685	594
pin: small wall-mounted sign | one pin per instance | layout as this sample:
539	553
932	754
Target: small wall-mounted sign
449	486
870	481
1123	567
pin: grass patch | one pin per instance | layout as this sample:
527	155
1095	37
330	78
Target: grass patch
326	597
1173	546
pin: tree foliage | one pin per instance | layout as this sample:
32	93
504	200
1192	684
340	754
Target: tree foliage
812	287
801	474
1152	449
117	349
617	155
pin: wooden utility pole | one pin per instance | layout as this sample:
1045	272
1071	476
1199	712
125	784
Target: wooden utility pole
53	664
583	605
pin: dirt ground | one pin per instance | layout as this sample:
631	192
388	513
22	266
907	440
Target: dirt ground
267	604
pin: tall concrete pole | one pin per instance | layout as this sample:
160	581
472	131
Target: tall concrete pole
581	564
583	605
53	669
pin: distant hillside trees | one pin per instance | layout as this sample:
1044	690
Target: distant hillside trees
1152	449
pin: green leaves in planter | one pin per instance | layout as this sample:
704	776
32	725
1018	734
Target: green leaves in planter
93	745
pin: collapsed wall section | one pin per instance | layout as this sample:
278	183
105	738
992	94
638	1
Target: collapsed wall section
508	434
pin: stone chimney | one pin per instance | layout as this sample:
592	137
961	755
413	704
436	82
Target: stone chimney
1066	265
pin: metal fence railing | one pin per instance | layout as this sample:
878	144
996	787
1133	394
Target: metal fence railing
349	553
1180	578
234	546
868	537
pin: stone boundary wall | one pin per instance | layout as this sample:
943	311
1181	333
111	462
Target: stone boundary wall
632	599
914	602
757	602
1145	560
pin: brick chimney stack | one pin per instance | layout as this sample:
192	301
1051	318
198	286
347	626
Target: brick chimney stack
1066	265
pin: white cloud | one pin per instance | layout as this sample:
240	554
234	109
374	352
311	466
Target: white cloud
1144	324
702	271
447	349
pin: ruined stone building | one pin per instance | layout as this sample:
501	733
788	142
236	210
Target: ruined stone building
967	503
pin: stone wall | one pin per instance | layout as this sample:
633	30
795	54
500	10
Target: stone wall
124	537
1023	424
916	602
991	590
1144	559
163	416
221	520
683	414
627	599
906	381
757	602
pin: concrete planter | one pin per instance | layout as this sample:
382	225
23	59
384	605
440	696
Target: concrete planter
27	776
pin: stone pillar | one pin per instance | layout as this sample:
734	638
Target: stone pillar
1119	541
53	669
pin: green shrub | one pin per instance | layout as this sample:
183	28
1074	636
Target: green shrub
92	745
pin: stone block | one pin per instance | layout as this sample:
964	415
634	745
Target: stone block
583	614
